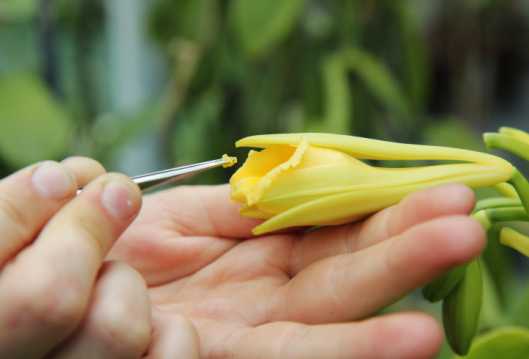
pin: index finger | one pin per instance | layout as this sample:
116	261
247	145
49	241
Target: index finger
30	197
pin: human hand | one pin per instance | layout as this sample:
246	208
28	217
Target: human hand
57	295
296	295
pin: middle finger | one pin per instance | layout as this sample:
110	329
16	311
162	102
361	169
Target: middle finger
352	286
118	323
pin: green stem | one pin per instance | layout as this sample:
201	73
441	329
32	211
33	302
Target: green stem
522	187
488	217
496	202
507	214
507	143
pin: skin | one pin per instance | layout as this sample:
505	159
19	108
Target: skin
196	284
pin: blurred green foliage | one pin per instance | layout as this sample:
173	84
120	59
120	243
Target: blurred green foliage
507	343
239	67
33	127
436	72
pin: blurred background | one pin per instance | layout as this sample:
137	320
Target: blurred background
143	85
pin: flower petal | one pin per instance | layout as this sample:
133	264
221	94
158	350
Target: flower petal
366	148
261	168
360	201
309	184
515	133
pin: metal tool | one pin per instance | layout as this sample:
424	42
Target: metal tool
172	175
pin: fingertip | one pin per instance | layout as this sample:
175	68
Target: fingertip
431	203
53	181
460	197
463	237
446	199
120	197
174	337
84	169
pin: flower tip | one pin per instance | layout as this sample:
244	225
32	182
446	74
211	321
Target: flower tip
250	141
229	161
490	139
514	239
483	219
257	231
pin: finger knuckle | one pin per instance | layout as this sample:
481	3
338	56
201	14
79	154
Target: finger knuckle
124	332
125	270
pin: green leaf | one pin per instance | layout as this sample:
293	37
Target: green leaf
499	264
33	125
194	20
191	127
414	54
113	131
378	80
491	311
260	25
17	10
504	343
337	96
520	315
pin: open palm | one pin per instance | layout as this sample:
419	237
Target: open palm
299	294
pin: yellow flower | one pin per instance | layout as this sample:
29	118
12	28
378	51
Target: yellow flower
310	179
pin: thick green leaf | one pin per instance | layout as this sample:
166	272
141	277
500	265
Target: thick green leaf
191	125
504	343
520	315
378	79
337	96
260	25
415	65
17	10
491	310
194	20
33	125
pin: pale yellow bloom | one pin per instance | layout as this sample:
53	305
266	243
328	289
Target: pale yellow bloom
313	179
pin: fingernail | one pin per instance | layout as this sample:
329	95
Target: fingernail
52	181
118	200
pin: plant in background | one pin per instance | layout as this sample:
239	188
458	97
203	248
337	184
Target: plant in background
314	179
